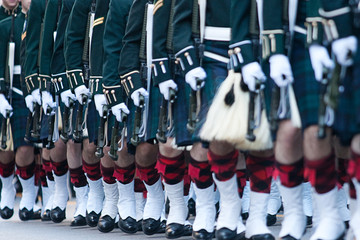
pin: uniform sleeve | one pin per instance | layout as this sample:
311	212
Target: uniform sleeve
240	43
4	36
35	17
113	34
183	40
47	40
161	70
74	42
314	23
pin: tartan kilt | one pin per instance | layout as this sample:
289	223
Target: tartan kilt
216	73
18	121
92	122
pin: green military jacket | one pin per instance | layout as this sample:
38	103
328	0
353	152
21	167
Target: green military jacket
113	34
4	13
5	30
33	32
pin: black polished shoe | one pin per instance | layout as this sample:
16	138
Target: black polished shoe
162	227
227	234
187	230
92	219
6	213
25	214
270	220
192	207
202	234
139	225
150	226
174	230
128	225
288	237
57	215
266	236
46	216
106	224
78	221
36	215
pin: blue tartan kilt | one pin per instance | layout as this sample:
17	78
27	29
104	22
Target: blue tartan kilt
18	121
92	122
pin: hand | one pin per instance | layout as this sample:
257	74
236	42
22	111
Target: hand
4	106
252	73
280	70
29	100
135	96
100	101
343	49
66	96
195	75
36	96
165	87
117	109
320	59
80	91
47	101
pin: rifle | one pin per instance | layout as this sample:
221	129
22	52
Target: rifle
65	132
114	137
135	140
36	122
101	141
322	105
51	121
4	129
194	108
78	130
163	119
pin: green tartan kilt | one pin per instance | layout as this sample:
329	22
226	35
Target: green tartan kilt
92	122
18	121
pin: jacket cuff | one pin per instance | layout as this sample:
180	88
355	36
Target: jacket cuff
131	82
161	70
113	95
337	23
240	54
32	82
44	81
75	78
95	85
187	59
314	30
273	42
60	83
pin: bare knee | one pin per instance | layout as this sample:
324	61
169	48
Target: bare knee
167	150
198	152
315	148
146	154
24	156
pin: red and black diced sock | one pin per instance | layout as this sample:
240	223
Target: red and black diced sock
7	169
343	176
260	173
290	175
187	182
241	181
172	170
354	166
321	173
46	165
148	174
43	178
139	187
223	167
77	177
26	172
92	170
37	174
200	173
125	175
60	168
108	174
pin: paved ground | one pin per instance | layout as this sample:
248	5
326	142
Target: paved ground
14	229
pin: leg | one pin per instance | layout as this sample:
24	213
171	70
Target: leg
7	167
354	173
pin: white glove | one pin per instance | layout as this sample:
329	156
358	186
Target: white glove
80	91
135	96
280	70
117	109
100	101
165	86
29	100
342	48
47	100
195	74
320	59
66	96
36	96
4	105
252	72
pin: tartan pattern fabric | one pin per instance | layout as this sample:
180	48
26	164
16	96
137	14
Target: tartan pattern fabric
148	174
92	170
139	185
260	173
290	175
7	169
343	176
42	176
37	174
354	166
92	122
172	170
223	167
107	174
46	165
200	173
321	173
77	177
59	168
125	175
241	181
26	172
